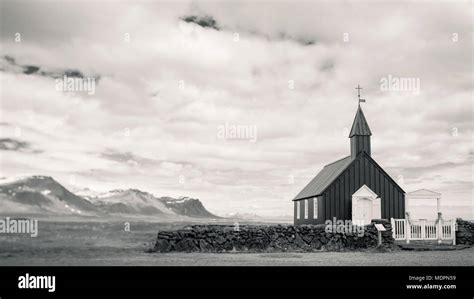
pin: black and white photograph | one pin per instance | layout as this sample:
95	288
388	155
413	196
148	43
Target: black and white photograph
207	136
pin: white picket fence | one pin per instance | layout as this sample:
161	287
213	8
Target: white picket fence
424	230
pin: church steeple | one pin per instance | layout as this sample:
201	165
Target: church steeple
360	132
360	127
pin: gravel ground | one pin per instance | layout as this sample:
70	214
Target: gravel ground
109	256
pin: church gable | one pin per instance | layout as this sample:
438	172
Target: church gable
363	168
368	166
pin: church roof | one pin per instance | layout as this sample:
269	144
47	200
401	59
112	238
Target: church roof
360	125
324	178
332	171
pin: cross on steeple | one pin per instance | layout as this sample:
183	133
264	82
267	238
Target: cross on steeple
358	94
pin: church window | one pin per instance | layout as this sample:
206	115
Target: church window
306	207
298	203
315	208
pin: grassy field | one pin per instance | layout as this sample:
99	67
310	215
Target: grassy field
105	243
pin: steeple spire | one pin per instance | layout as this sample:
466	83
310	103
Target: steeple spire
360	126
360	131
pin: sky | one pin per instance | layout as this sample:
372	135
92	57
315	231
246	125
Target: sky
175	80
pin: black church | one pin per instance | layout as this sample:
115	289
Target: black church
352	188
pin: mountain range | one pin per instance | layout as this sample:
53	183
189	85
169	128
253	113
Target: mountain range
44	195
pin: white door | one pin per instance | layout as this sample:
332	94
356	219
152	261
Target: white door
365	206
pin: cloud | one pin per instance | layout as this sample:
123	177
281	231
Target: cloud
167	83
9	144
128	158
203	21
9	64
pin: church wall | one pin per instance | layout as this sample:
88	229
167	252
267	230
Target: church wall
347	196
310	220
364	171
336	201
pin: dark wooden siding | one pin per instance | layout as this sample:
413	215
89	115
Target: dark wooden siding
363	171
347	196
359	144
336	200
310	220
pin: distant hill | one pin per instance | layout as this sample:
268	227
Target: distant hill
258	218
44	195
187	206
244	216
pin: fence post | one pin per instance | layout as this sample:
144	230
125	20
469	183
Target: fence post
407	231
453	231
392	222
423	228
439	228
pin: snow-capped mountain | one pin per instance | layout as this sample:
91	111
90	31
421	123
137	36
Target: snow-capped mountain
41	194
136	201
131	201
85	193
187	206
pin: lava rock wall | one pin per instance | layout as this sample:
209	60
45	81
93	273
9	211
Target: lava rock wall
277	238
464	232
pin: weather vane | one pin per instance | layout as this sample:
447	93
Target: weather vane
358	94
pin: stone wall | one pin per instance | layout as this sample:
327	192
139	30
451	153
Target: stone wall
277	238
464	232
